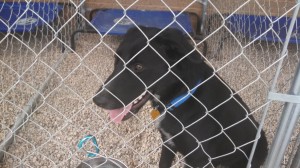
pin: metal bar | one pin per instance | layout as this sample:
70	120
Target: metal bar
287	124
284	97
204	13
27	110
272	156
294	109
296	159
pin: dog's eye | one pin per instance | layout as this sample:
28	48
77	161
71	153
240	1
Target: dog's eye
138	67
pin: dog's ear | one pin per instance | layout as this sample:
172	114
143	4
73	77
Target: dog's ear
176	46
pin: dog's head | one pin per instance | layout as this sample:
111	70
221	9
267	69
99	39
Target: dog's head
150	65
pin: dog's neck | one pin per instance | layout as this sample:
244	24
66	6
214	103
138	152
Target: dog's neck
197	74
179	100
183	94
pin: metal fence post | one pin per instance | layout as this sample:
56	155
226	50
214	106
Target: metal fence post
287	124
274	158
296	160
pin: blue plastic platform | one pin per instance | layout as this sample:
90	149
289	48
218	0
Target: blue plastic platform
25	17
254	26
104	20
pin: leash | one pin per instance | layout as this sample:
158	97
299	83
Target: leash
84	140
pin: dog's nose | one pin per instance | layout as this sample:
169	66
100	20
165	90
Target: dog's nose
100	101
107	101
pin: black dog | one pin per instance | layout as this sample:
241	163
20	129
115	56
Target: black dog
200	116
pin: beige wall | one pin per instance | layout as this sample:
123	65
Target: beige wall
255	7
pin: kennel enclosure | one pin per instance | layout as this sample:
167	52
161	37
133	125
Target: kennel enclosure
46	93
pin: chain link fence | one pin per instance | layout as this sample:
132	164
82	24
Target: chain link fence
54	57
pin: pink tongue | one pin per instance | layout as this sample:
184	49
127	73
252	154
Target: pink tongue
118	114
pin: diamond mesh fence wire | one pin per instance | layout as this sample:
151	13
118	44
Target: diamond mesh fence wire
48	86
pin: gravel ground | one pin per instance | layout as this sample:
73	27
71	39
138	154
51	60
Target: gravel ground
66	113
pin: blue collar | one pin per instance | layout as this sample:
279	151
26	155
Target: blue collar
176	102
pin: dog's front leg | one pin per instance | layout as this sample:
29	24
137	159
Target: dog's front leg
167	156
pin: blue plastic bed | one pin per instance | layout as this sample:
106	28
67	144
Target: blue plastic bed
25	17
